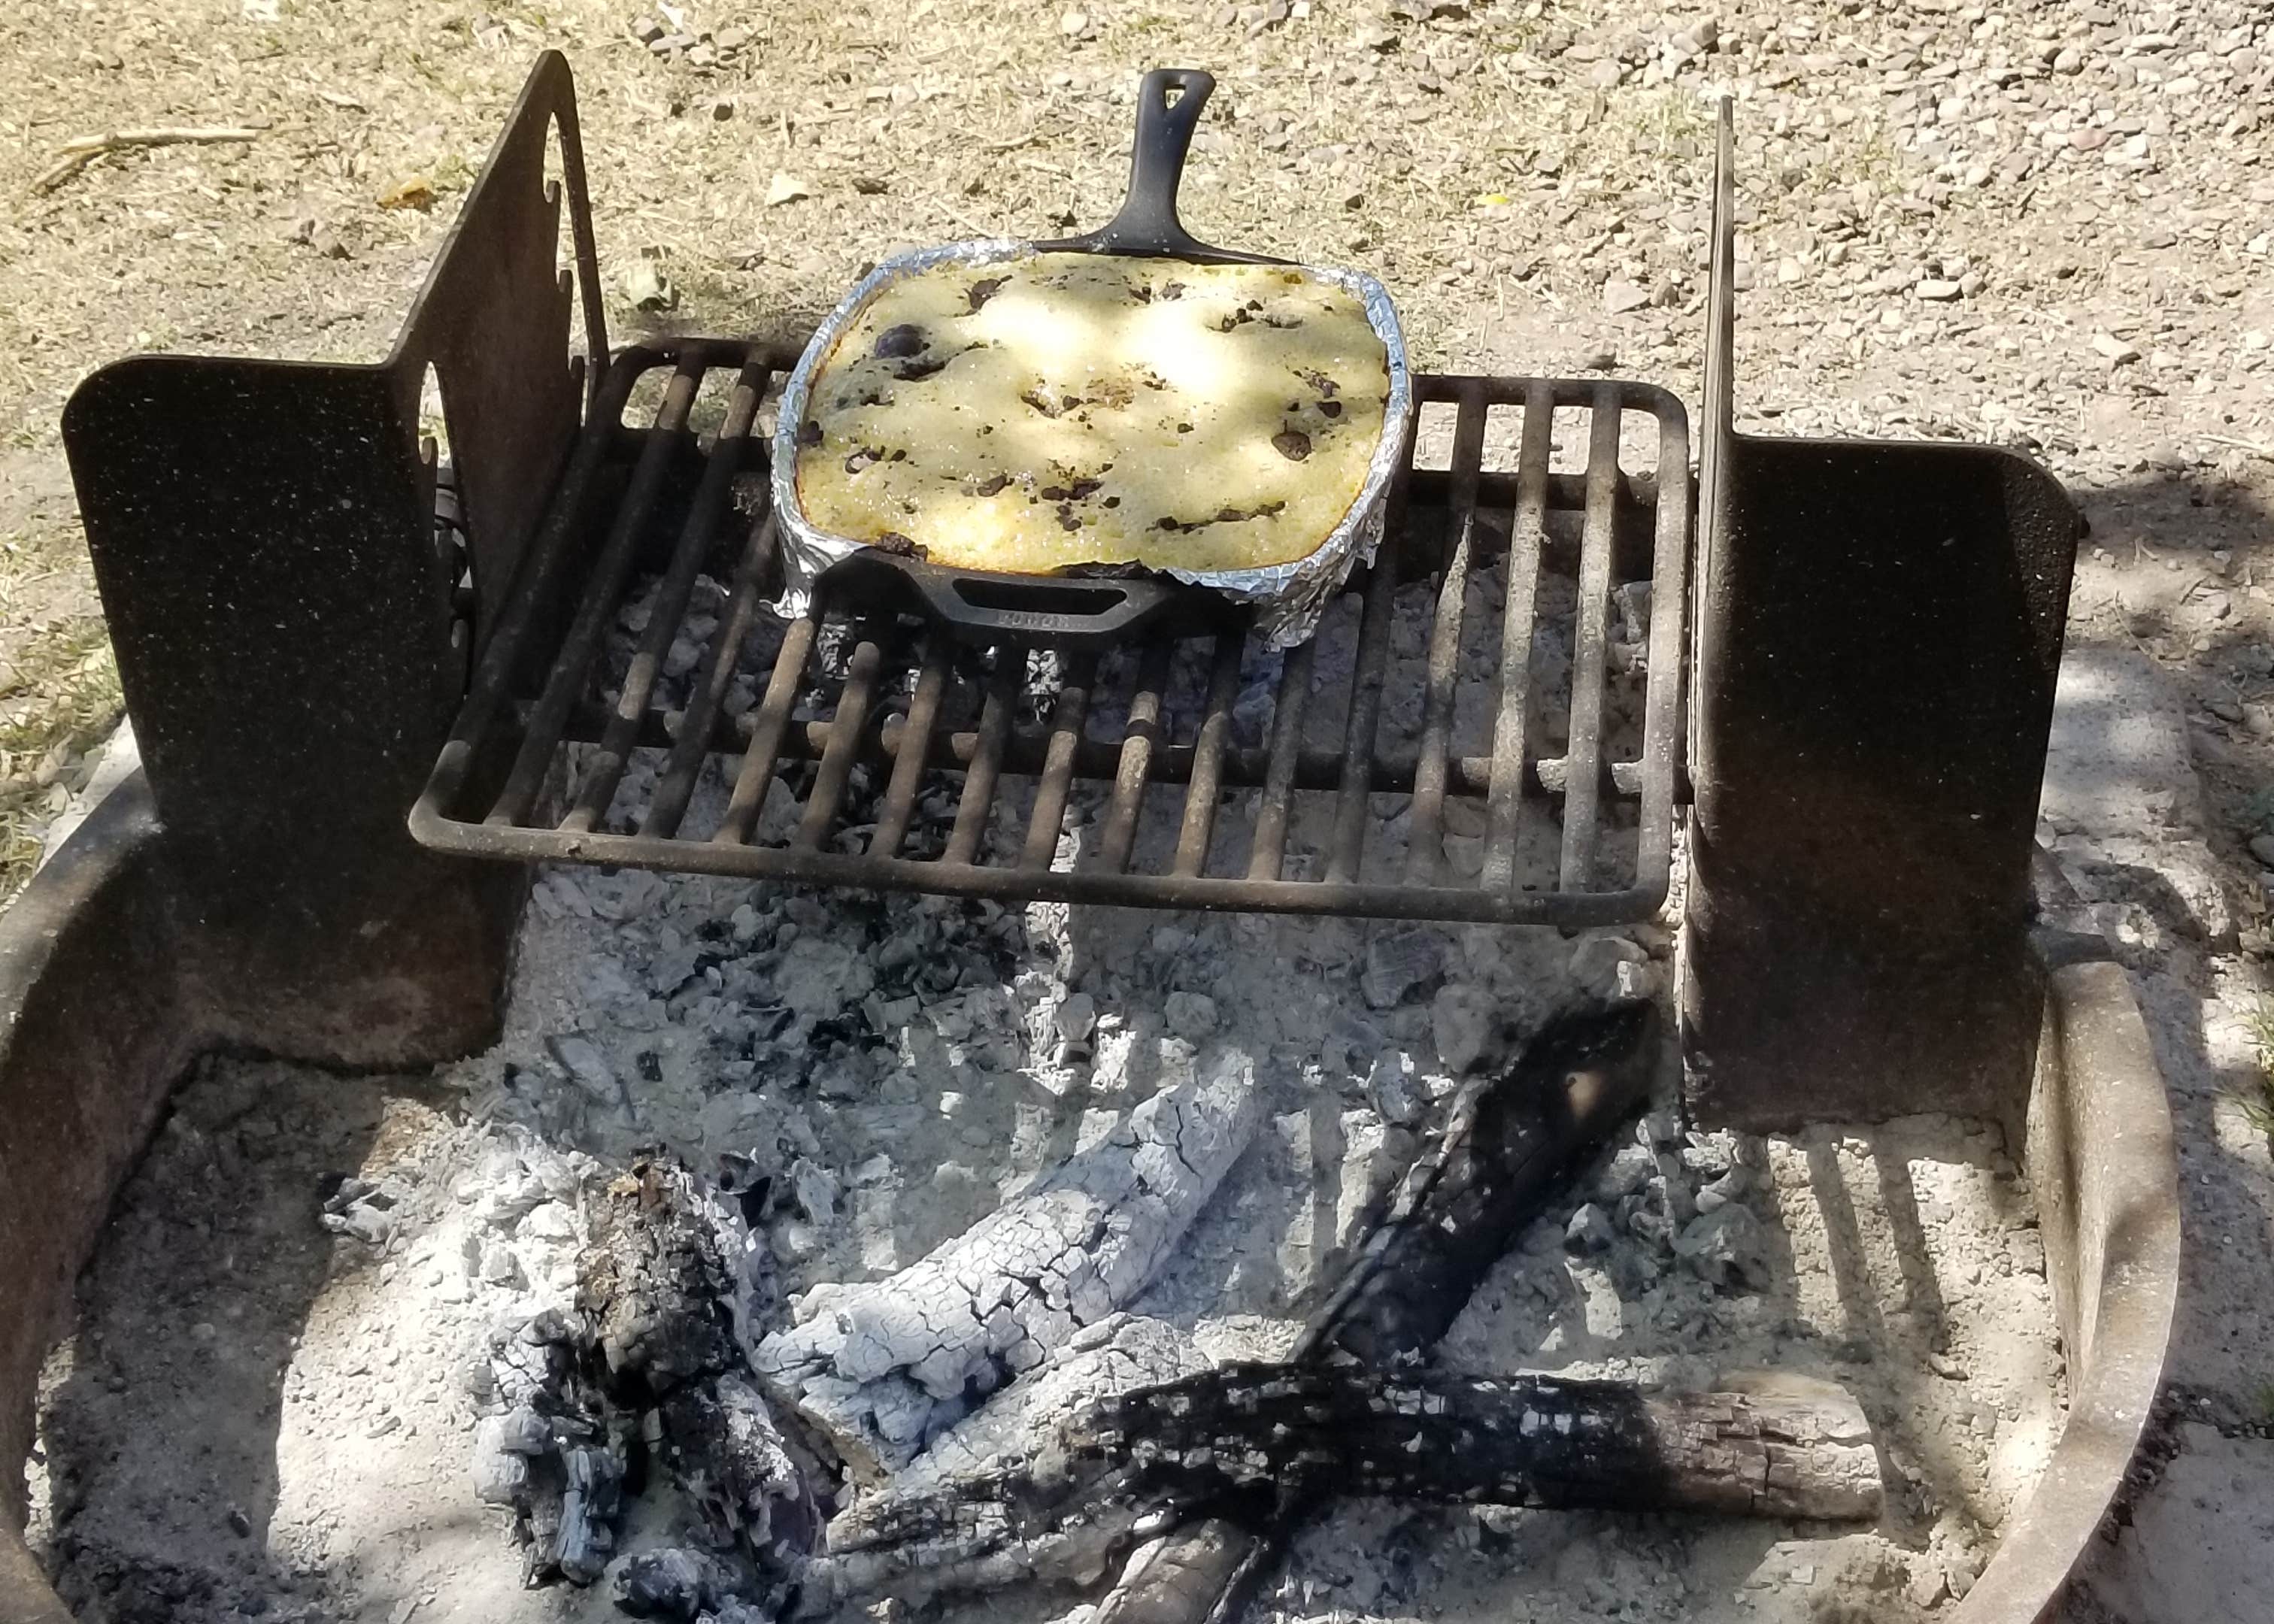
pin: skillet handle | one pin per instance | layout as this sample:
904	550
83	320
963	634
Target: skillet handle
983	606
1147	222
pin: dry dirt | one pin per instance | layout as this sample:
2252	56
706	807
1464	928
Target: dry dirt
2045	224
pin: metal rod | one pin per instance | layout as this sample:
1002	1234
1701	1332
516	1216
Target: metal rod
986	762
908	761
1139	740
1066	719
757	771
1504	803
1424	817
1466	903
1592	632
1269	851
544	557
1206	778
1370	668
565	683
853	702
605	769
691	741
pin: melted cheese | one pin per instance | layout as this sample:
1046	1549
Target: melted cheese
1084	409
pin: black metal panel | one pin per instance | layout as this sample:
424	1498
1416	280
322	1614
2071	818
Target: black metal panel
262	534
1880	633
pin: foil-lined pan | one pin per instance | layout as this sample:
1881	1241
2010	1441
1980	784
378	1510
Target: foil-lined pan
1288	598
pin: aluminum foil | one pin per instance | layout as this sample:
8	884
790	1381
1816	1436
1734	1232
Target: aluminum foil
1288	598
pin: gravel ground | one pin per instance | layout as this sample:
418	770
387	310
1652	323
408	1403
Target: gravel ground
2048	225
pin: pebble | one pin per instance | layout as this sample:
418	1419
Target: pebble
1397	962
2262	847
1073	24
1463	1020
1589	1231
1938	288
2113	350
1075	1017
1191	1015
1621	297
1596	963
587	1067
1391	1086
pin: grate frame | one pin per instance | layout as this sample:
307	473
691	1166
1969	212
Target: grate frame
532	698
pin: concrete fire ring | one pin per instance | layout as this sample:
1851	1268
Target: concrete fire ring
97	1024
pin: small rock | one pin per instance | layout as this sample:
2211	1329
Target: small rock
730	40
2159	237
1628	1170
2068	59
1390	1085
499	1266
2113	350
1462	1019
1595	965
1724	1248
239	1523
1598	360
1621	297
1961	1568
786	188
814	1190
1396	963
1191	1015
2262	847
1938	288
1374	34
1589	1231
647	31
1927	1587
1075	1017
647	288
722	109
587	1067
1074	24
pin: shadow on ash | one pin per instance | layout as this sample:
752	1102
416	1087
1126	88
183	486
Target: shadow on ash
1551	1166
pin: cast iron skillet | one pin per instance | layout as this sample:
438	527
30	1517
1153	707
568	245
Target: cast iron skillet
1098	605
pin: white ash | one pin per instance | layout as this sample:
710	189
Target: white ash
862	1080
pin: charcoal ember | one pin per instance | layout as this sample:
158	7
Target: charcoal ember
1397	963
1726	1248
651	1281
679	1582
589	1501
722	1443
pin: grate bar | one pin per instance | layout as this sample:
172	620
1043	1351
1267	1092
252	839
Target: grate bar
1139	740
1066	718
1504	795
1585	746
1426	818
1205	779
837	761
757	772
566	680
1269	853
674	786
908	761
986	762
605	769
1347	856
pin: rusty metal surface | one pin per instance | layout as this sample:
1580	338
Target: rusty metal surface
1880	627
290	637
863	684
94	1026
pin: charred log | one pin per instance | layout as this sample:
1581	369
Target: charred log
884	1368
1507	1139
1786	1447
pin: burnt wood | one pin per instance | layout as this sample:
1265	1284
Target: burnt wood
1311	1431
1508	1140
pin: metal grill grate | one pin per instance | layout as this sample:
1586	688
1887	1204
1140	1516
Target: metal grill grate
1466	738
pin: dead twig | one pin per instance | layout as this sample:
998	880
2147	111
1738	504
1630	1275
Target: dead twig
76	154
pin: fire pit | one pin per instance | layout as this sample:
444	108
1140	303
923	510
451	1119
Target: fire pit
756	1209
